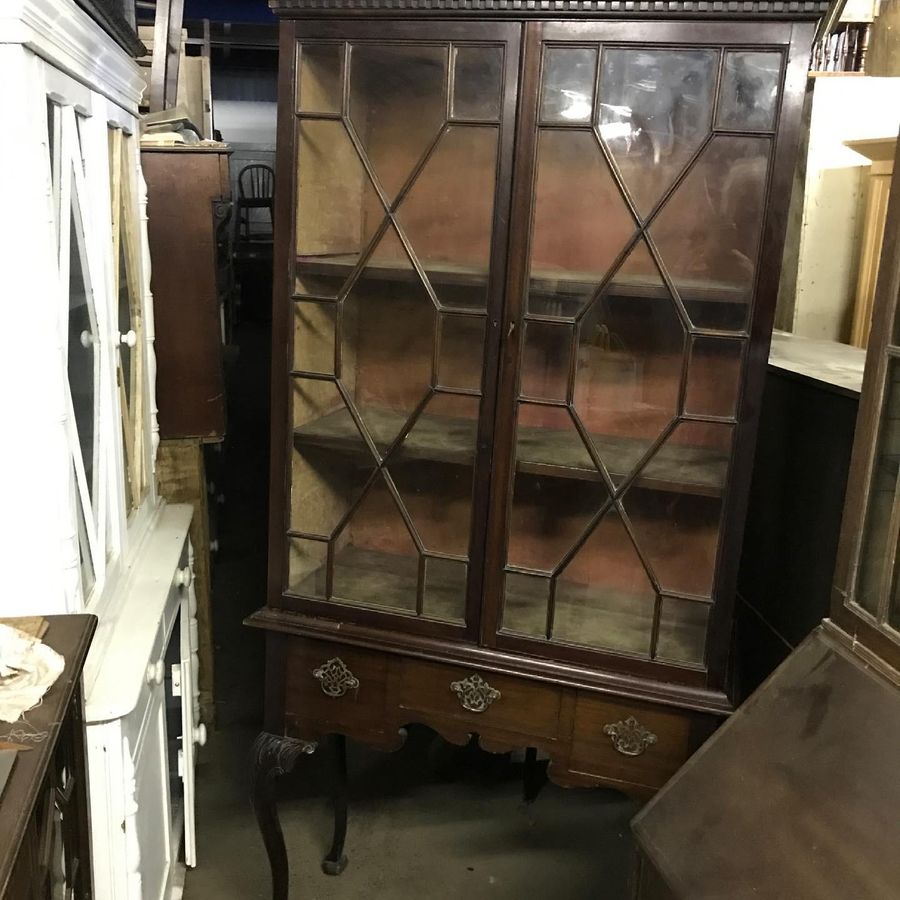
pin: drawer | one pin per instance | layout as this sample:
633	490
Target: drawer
630	742
135	724
480	699
333	684
181	579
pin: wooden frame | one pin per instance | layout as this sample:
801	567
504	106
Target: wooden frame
791	38
166	54
124	227
73	217
358	671
495	430
871	631
282	438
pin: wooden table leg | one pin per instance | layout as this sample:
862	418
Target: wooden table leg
272	756
534	776
335	862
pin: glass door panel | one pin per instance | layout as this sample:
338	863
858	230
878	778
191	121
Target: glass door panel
655	111
876	589
397	158
650	167
82	355
866	589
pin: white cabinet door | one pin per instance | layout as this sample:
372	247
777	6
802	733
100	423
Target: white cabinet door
153	801
192	731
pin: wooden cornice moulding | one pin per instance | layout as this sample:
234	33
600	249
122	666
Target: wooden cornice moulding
65	35
619	9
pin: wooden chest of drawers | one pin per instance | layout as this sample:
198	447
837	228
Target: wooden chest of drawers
590	738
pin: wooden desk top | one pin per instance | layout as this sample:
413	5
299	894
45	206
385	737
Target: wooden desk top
796	796
69	636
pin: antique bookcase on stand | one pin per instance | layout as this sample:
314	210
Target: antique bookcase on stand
526	265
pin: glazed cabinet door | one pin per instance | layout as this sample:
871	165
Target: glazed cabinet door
647	221
866	590
401	137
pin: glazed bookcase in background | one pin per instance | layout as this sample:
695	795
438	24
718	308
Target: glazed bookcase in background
525	278
866	595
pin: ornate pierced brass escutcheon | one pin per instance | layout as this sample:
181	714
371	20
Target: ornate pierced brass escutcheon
474	693
630	738
335	678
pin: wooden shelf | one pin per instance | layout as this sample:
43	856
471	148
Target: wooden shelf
544	282
683	470
384	580
593	617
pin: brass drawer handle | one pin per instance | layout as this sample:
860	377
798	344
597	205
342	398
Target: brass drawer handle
474	693
630	738
335	678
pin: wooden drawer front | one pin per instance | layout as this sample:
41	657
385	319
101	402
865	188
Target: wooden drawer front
522	706
335	684
653	742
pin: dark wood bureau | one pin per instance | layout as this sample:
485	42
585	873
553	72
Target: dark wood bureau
45	842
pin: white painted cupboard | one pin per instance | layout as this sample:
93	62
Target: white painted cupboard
82	527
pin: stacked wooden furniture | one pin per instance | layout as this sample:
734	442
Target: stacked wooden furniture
822	732
526	265
188	203
189	206
45	839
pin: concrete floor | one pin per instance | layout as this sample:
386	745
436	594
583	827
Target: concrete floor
430	821
413	833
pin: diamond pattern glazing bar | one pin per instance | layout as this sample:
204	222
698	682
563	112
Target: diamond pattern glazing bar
394	221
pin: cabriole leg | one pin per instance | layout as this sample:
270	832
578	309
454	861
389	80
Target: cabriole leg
273	756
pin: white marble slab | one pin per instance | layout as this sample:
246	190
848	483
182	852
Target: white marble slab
828	362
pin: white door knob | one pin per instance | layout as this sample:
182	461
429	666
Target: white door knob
129	339
87	339
156	672
214	546
200	735
183	577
